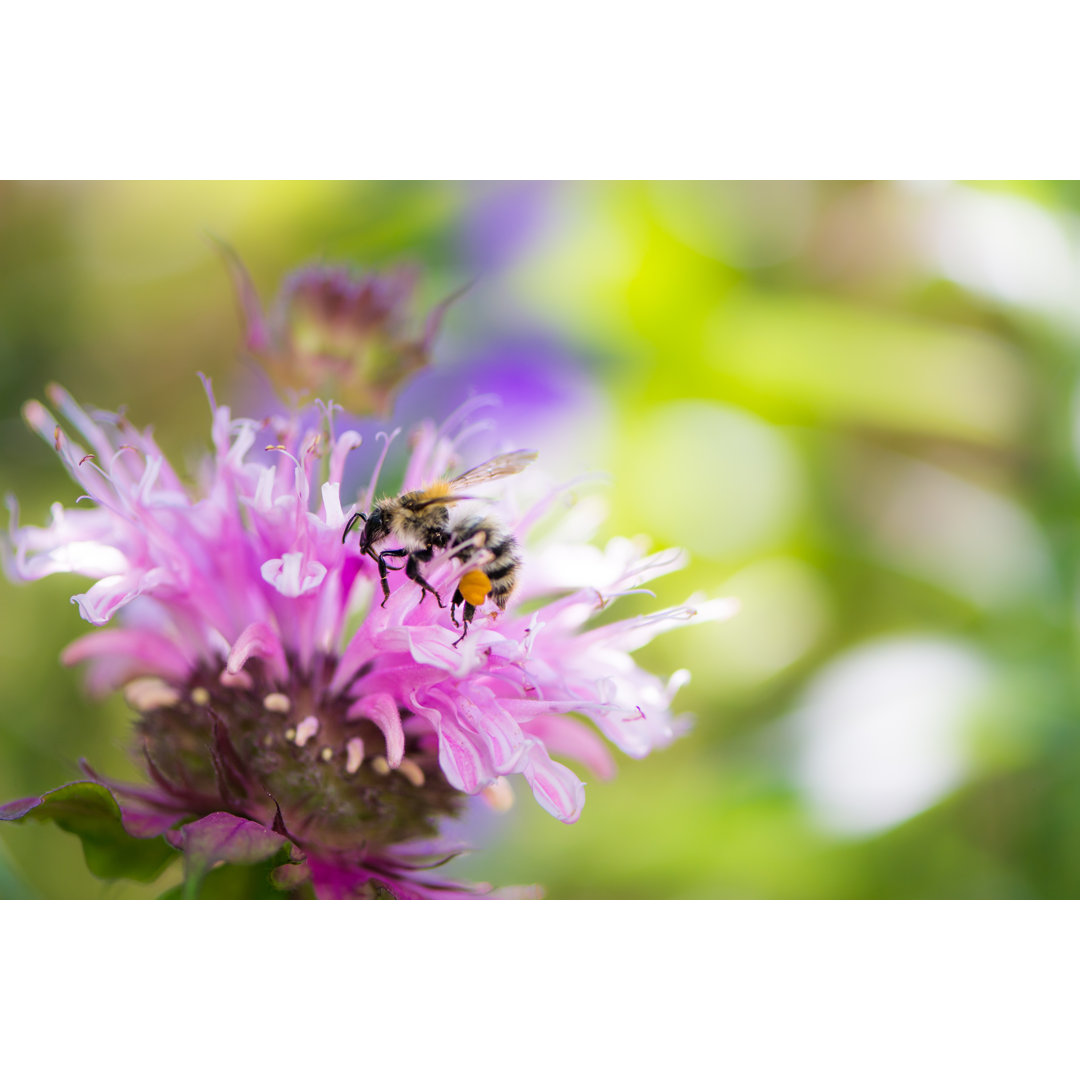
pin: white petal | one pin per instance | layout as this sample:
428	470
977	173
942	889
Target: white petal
291	575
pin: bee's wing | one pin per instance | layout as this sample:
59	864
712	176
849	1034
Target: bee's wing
503	465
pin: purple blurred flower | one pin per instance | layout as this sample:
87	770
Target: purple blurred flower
277	700
503	220
338	333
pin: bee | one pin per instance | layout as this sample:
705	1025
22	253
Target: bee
425	521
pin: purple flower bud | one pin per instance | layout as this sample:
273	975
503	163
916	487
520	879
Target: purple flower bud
337	333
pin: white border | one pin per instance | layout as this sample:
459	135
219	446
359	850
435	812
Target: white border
622	989
586	89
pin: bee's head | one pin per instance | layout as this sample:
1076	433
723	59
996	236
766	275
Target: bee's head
375	528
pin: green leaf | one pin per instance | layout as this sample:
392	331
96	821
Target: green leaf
222	837
90	812
234	882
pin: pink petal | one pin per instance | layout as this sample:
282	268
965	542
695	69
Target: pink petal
143	652
563	735
105	597
382	711
461	761
556	788
258	639
481	713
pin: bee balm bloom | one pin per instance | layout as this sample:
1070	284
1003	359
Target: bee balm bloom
283	711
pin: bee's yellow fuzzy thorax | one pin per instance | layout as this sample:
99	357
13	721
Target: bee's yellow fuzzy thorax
437	490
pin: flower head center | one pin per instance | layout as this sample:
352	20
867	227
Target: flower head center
254	749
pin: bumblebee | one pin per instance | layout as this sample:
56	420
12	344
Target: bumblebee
422	523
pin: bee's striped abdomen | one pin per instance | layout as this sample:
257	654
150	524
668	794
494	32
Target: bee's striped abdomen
503	568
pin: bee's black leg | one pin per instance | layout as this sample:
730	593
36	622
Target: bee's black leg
466	617
412	571
454	604
381	560
382	580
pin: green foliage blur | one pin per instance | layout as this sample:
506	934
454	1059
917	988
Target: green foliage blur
854	404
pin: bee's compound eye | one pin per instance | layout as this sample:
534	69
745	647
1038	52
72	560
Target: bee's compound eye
475	586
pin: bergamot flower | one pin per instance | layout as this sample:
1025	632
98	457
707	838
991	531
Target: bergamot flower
284	713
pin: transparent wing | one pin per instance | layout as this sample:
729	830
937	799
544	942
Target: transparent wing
503	465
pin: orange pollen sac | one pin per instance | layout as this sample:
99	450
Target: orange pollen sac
475	586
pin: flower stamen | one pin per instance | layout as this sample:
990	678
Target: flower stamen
412	772
148	693
354	750
499	795
308	729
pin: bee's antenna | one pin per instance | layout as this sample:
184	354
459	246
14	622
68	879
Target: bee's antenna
352	522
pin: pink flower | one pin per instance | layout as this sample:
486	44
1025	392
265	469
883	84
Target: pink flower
277	696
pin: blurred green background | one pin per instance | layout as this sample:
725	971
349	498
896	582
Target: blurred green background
853	403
